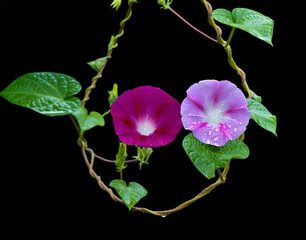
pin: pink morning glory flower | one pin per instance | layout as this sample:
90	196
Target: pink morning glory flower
215	111
146	116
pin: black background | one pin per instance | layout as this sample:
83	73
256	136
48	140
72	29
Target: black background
45	185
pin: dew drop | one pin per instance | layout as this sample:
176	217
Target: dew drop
235	129
216	138
208	141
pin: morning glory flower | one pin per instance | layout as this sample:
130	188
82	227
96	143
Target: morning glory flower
215	111
147	117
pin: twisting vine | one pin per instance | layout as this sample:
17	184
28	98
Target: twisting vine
227	47
103	186
111	46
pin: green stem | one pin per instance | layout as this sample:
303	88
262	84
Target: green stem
211	21
230	37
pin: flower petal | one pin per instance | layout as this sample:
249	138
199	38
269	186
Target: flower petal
203	93
237	122
231	96
211	134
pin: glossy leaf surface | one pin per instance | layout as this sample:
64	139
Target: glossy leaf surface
47	93
253	22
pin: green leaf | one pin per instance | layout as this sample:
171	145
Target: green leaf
113	94
44	92
253	22
87	122
97	64
261	115
130	194
207	158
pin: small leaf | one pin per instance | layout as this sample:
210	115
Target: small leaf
97	64
87	122
207	158
253	22
113	94
261	115
130	194
44	92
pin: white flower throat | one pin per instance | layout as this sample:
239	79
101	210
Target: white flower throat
146	128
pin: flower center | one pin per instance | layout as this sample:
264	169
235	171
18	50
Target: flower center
214	116
146	128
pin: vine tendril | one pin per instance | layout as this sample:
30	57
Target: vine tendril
112	45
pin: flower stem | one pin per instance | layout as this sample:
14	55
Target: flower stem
190	25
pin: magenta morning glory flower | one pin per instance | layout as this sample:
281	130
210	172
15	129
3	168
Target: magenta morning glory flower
215	111
146	116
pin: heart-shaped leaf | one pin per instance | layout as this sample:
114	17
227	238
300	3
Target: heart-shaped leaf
86	121
130	194
261	115
253	22
207	158
44	92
